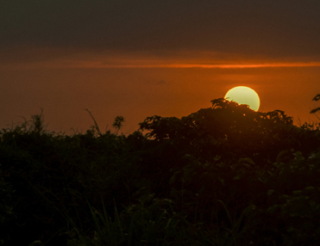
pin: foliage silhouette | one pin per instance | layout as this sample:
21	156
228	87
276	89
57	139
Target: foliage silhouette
224	175
316	98
118	123
228	129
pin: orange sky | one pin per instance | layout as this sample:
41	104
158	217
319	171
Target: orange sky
143	58
135	93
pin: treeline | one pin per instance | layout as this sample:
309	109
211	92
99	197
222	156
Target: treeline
224	175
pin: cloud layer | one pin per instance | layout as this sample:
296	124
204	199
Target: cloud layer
272	30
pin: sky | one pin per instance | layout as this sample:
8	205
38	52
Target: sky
142	58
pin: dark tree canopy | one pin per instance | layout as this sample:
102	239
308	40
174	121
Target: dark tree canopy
226	127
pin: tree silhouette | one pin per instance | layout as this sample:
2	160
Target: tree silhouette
226	128
118	123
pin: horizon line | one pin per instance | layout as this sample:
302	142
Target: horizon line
222	66
96	64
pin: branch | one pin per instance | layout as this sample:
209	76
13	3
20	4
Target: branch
95	123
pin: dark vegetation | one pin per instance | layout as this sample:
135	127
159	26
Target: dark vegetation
225	175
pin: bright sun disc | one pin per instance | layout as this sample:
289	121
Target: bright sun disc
244	95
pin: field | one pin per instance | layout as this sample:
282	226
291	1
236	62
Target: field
224	175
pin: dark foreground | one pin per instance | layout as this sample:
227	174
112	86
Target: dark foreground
224	175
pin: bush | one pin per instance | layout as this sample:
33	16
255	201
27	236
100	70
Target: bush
224	175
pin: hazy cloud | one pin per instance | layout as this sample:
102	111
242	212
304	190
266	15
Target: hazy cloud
264	28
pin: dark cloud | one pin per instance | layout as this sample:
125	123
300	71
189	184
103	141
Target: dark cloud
267	28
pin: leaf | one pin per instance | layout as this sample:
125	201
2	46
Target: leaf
221	180
246	160
316	98
298	156
314	110
270	192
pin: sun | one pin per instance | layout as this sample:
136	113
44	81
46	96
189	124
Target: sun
244	95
